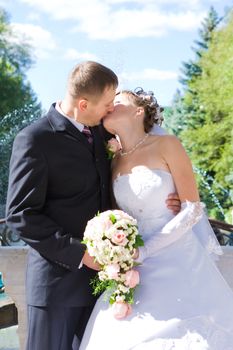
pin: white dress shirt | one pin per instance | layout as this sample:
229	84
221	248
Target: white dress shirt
78	125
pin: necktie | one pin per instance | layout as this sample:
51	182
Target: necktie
87	132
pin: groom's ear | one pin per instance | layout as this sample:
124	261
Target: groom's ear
82	103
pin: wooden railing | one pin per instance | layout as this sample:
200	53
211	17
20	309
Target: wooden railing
223	231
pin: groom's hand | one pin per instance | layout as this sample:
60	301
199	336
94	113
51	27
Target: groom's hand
136	253
173	202
89	262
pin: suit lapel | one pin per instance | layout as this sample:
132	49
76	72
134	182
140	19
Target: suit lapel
59	123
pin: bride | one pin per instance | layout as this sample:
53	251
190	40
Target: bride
182	302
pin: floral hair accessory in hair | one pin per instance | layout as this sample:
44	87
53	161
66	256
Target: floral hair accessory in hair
113	145
150	97
146	95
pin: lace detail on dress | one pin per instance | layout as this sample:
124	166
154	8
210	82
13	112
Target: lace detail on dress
190	214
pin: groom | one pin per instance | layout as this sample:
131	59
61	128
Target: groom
59	179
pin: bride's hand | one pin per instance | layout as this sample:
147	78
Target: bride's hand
173	202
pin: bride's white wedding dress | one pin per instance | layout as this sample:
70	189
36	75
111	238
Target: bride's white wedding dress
182	302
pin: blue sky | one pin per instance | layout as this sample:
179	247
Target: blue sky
143	41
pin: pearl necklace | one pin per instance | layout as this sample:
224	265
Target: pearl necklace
135	147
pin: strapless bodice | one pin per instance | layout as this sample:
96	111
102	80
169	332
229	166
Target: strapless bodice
143	194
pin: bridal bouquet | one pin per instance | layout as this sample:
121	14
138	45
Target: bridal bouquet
112	237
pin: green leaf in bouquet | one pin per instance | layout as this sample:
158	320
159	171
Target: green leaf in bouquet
129	297
138	241
110	154
113	218
99	286
112	299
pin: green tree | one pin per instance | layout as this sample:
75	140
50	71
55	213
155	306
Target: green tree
192	70
15	60
19	104
210	141
175	116
186	110
12	123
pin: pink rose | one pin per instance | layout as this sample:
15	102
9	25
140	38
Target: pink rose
112	271
132	278
121	309
119	238
113	145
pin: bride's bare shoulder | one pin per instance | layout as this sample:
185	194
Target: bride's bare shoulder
165	139
167	144
169	139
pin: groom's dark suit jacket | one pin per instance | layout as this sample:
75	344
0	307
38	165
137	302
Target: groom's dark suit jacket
57	182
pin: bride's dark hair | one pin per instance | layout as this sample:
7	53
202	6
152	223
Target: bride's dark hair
146	100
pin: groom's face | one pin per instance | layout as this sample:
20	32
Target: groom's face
123	113
99	107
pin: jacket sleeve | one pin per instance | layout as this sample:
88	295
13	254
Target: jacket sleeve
190	214
26	199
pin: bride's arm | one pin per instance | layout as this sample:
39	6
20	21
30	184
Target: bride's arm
191	209
180	167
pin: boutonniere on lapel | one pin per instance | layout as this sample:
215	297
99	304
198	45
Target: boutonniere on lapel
112	146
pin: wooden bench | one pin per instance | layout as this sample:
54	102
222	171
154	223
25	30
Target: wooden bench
8	312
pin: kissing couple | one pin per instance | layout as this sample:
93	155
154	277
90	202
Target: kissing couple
61	177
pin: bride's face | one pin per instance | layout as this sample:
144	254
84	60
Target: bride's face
121	115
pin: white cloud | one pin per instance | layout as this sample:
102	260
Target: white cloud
40	39
147	74
3	3
73	54
136	23
119	19
33	16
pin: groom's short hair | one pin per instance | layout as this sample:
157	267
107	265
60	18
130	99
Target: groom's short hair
90	79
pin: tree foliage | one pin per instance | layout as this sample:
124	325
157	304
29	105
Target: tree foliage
15	60
206	107
175	116
186	111
212	143
10	126
192	68
19	104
